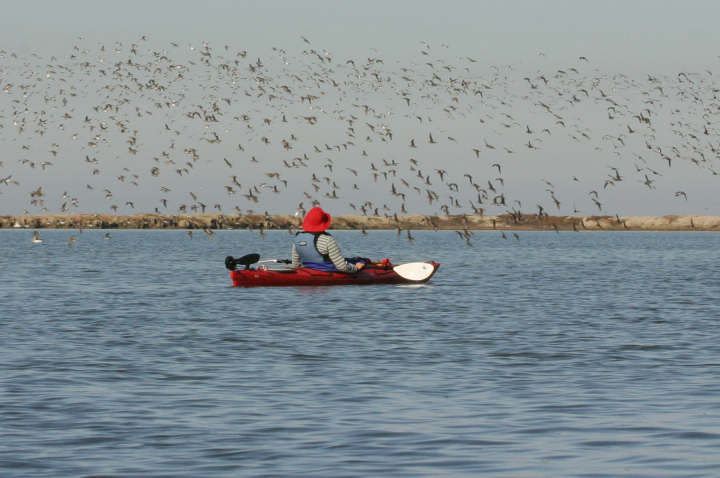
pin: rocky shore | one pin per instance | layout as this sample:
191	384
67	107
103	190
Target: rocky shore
358	222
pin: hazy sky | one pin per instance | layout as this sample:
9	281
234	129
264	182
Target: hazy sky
647	35
636	39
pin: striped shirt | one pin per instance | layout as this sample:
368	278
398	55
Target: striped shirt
326	245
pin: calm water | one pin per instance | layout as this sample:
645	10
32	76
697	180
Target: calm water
591	354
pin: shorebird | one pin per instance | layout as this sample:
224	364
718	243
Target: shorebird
204	105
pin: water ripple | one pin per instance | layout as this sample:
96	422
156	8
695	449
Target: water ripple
565	355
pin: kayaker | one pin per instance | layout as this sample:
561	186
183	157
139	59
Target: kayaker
314	248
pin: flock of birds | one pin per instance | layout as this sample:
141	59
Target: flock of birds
201	128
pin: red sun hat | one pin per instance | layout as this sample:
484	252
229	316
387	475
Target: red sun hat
316	220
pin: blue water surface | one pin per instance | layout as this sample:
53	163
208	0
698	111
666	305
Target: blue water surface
573	354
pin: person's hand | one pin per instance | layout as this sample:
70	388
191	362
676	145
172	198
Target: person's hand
359	265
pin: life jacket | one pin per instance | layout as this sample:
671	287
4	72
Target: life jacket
310	257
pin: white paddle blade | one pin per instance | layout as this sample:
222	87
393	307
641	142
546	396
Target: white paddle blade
415	270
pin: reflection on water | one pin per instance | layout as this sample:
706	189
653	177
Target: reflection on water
591	354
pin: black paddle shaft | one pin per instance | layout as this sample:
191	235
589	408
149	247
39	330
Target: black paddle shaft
247	261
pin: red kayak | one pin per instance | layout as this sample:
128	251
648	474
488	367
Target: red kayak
262	277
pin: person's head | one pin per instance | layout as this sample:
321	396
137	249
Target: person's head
316	220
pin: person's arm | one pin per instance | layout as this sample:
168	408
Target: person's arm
295	257
327	245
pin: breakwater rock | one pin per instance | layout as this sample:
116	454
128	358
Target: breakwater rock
359	222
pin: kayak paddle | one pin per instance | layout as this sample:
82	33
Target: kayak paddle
414	271
249	260
246	261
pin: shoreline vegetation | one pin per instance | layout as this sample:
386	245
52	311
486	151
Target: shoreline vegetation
358	222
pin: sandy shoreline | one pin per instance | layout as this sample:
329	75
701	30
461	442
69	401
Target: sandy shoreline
358	222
